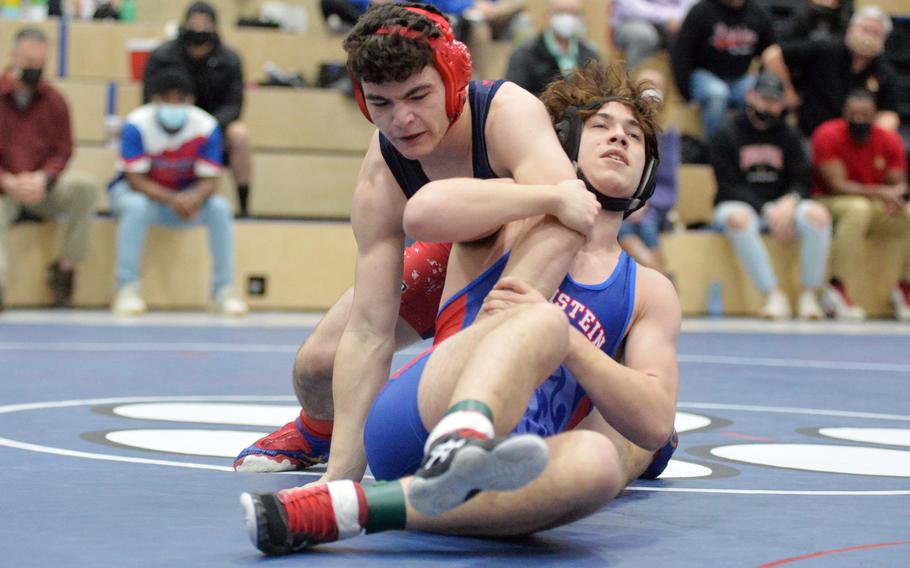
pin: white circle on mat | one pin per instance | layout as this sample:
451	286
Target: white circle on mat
214	443
686	421
821	457
888	436
241	414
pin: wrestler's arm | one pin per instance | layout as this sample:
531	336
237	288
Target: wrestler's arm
365	350
522	144
637	398
467	209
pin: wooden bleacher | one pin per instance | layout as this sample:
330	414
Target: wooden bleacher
307	149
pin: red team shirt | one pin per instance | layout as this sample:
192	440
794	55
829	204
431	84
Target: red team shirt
868	163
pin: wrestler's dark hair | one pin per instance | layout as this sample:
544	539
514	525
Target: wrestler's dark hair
584	88
382	58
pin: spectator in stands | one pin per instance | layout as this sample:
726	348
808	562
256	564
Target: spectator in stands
35	145
713	52
478	21
558	49
832	68
860	175
817	20
642	27
639	232
762	183
218	76
169	167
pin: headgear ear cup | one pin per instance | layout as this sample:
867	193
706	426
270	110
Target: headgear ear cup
451	59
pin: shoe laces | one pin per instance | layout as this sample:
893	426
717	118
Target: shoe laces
310	513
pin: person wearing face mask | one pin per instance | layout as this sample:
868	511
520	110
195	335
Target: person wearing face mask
829	69
860	175
36	143
168	171
762	178
555	51
217	75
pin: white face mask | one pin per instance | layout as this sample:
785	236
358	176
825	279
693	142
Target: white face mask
566	26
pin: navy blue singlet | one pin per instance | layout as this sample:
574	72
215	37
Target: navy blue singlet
409	174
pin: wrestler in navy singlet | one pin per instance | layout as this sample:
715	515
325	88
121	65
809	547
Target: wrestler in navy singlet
409	174
425	264
394	434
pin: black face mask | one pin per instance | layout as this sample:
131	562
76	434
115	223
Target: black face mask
31	76
859	130
197	38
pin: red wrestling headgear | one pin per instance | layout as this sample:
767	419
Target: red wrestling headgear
451	59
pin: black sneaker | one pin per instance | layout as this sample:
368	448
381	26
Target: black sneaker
61	284
290	520
461	464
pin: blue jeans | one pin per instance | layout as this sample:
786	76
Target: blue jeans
715	95
138	212
815	243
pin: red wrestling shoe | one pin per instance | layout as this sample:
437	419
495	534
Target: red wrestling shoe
295	519
288	449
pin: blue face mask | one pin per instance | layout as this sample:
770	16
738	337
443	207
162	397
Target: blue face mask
172	116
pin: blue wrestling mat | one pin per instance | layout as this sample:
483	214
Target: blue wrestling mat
116	439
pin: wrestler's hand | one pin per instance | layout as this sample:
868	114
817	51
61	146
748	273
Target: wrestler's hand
321	481
577	207
509	292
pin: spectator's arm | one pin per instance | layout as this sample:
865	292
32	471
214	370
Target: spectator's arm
774	61
888	119
834	175
208	162
797	169
725	162
230	108
62	137
142	184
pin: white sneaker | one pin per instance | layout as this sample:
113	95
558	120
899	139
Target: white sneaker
900	299
808	306
129	301
777	306
227	303
838	305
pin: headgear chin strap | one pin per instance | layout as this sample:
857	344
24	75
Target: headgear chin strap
451	59
569	130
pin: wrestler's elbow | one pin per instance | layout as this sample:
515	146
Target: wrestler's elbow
421	217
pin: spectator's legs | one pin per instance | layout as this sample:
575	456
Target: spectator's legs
137	213
738	90
216	215
852	217
74	197
894	226
237	140
813	225
740	224
9	211
638	40
712	95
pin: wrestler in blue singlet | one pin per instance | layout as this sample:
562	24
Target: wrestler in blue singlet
394	434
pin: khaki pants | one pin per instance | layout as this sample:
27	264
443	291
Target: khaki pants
856	217
74	197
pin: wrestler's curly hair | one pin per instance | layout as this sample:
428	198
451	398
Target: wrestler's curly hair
598	82
382	58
